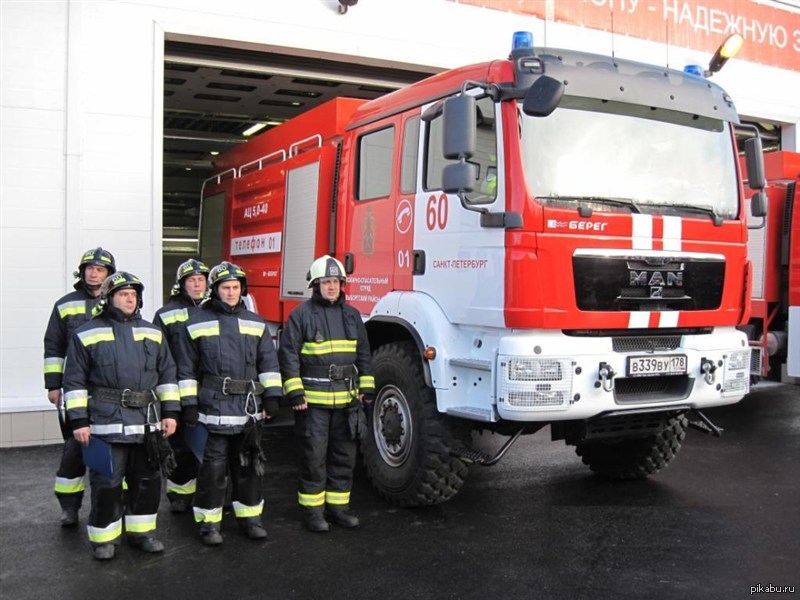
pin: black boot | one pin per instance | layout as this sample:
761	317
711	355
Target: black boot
69	517
253	528
104	551
210	535
149	544
315	520
342	515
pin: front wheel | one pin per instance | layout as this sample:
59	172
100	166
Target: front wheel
635	458
407	450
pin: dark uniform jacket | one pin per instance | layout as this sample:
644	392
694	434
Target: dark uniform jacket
69	313
118	352
224	341
172	318
317	335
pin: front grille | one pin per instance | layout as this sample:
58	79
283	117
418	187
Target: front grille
646	343
616	283
633	390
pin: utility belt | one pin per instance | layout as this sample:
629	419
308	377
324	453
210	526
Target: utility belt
127	398
332	372
229	386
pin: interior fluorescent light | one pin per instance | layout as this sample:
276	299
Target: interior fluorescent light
255	128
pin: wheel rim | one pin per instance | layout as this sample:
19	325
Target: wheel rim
391	426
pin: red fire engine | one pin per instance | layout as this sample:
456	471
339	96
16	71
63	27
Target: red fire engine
554	239
774	250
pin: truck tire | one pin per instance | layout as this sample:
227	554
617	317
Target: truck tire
635	458
407	449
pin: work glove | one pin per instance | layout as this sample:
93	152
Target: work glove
250	452
190	415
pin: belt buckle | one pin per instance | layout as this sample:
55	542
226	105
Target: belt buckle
122	400
332	372
225	383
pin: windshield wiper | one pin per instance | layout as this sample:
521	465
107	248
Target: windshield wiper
586	211
695	208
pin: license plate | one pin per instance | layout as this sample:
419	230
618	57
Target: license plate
652	366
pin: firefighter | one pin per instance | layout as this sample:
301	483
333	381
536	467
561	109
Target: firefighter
120	385
187	294
69	313
228	374
326	363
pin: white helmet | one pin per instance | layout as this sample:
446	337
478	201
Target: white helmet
325	266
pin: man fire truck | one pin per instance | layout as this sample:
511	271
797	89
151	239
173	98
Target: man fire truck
554	239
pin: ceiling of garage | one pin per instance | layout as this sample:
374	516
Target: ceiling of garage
212	94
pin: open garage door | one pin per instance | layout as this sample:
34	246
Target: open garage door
216	96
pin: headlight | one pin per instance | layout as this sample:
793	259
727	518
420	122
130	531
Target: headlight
530	369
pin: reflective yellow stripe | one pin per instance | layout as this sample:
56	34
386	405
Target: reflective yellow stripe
203	329
143	333
251	328
243	511
69	486
329	347
140	523
207	515
328	398
76	399
188	387
104	535
175	316
311	499
54	365
188	488
366	381
290	385
270	379
337	498
70	309
94	336
167	392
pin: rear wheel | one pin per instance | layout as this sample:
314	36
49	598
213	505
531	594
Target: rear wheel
407	452
635	458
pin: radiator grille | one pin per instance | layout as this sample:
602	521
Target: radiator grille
630	390
646	344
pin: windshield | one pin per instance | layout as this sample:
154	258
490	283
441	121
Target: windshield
666	163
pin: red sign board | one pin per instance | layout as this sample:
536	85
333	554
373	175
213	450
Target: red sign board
771	34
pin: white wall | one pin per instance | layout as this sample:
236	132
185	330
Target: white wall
81	111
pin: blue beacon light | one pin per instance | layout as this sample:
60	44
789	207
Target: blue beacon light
522	40
695	70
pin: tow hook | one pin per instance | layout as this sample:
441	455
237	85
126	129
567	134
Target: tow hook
606	375
707	367
705	425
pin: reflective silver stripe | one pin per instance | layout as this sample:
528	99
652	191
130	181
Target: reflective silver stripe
104	535
217	420
190	487
117	428
203	329
54	364
76	399
207	515
140	523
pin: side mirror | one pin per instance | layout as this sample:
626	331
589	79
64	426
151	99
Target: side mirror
754	157
460	123
543	97
459	178
758	208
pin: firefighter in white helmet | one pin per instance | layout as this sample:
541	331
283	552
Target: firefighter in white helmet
326	365
229	382
191	283
69	313
120	386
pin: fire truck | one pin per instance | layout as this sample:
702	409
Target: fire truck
558	238
774	249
